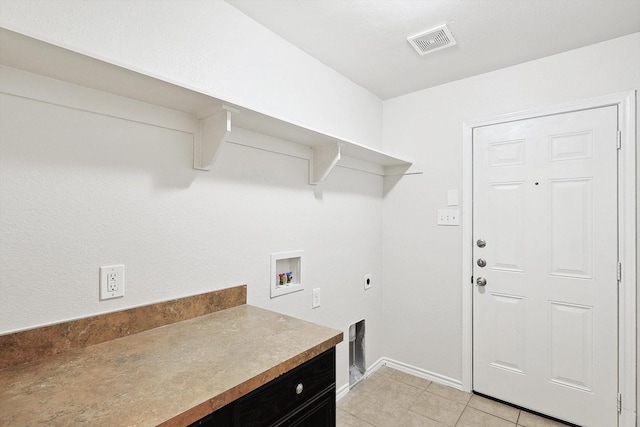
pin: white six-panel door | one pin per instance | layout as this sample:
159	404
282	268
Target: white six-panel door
545	323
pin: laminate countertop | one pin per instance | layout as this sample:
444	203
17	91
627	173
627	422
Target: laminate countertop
171	375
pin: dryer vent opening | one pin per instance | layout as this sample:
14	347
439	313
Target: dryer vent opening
356	353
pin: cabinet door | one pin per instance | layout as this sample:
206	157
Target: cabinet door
302	397
273	401
319	413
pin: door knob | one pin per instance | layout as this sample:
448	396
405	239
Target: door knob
481	243
481	262
481	281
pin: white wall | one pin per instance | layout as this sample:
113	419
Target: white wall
79	190
421	261
209	46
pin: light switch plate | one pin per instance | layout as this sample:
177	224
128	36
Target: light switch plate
448	217
452	197
316	298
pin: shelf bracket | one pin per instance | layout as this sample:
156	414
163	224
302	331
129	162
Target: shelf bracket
408	169
211	132
323	160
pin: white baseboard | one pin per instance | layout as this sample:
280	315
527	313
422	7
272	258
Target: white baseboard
422	373
376	365
343	390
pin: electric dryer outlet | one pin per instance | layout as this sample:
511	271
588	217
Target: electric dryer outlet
368	282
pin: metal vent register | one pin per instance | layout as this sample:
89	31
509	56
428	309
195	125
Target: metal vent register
432	40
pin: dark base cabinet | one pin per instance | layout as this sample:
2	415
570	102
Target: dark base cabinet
303	397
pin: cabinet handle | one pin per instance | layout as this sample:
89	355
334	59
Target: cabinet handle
299	388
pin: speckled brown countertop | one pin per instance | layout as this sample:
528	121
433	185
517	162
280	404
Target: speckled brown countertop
171	376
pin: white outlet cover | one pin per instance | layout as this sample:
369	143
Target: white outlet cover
448	217
368	281
107	272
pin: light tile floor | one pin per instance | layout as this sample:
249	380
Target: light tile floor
391	398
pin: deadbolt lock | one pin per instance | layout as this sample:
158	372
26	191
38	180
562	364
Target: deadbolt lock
481	262
481	243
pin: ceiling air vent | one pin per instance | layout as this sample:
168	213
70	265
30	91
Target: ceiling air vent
432	40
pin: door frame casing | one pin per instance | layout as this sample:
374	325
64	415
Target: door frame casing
627	188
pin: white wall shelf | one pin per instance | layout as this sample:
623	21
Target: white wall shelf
216	119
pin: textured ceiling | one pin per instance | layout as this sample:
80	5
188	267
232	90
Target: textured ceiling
365	40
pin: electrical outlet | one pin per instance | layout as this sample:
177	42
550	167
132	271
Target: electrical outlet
448	217
316	298
367	281
111	281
